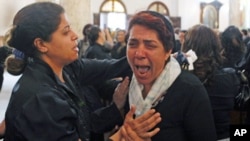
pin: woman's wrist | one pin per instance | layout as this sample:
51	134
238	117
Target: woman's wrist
116	136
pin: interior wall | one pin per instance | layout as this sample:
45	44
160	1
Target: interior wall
224	17
189	11
8	11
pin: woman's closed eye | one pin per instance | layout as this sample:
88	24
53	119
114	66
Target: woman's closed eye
132	44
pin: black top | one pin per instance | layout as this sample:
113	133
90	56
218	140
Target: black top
222	87
186	112
97	51
118	51
43	108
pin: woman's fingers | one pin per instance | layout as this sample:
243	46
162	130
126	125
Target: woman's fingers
120	93
142	126
149	123
129	134
146	121
130	115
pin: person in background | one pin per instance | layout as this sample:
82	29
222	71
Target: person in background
178	42
119	49
90	93
221	85
245	36
102	92
236	55
45	103
5	51
97	40
233	47
159	83
109	43
182	34
83	44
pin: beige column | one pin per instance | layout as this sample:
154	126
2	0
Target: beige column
79	13
234	13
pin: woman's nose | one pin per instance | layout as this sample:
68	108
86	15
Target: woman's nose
75	36
140	53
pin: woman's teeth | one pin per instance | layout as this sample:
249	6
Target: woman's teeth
142	69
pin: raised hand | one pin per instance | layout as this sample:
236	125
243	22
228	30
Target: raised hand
120	94
140	128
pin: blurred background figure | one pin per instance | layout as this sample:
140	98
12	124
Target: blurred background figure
246	36
233	47
179	40
83	44
99	47
5	51
119	49
221	86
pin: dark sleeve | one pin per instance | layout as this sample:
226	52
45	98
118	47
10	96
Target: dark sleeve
91	72
106	89
101	54
198	120
106	118
96	52
47	117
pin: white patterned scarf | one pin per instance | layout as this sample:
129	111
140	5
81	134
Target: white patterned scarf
160	86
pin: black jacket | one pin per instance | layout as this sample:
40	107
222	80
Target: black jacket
42	108
97	51
222	87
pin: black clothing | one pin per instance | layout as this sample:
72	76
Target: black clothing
185	111
97	51
244	64
246	40
222	87
177	46
42	107
118	51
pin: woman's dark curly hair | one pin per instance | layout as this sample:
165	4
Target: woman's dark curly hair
205	43
233	46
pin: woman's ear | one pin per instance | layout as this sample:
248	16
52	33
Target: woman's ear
168	53
40	45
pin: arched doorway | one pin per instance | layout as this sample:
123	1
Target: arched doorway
112	14
163	9
159	7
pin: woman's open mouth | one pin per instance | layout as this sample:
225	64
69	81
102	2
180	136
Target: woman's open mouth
142	70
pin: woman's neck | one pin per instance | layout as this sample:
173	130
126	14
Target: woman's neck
57	68
100	41
58	72
146	90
